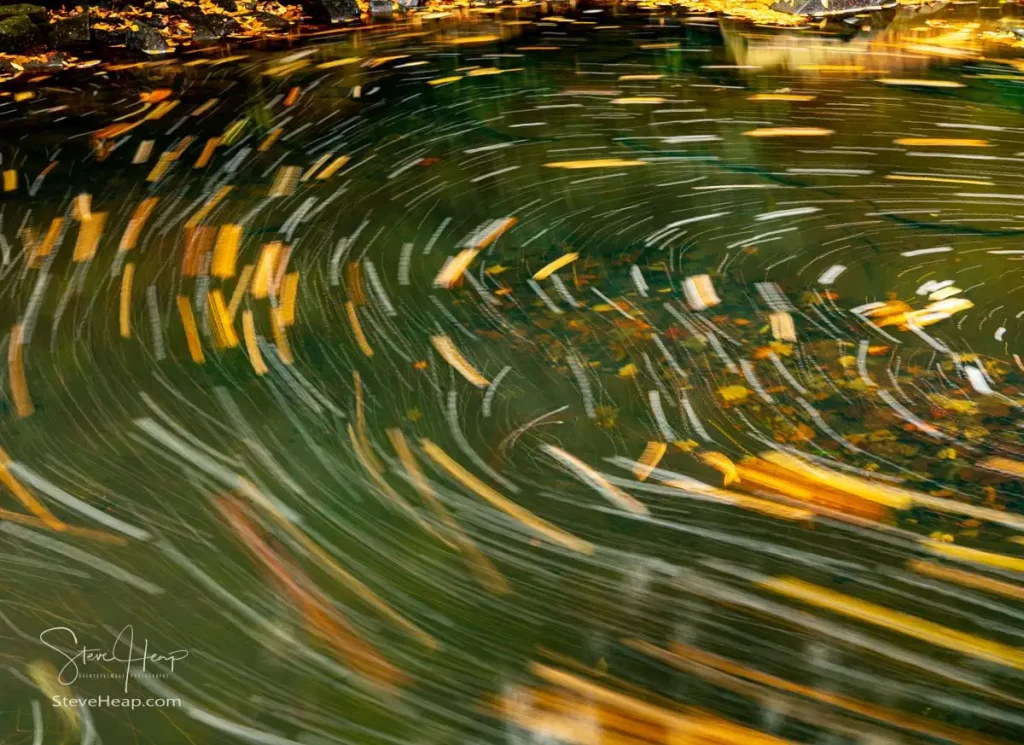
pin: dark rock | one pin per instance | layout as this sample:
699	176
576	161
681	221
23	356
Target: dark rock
18	33
35	13
143	38
382	10
272	22
210	27
108	37
331	11
50	4
229	5
70	31
819	9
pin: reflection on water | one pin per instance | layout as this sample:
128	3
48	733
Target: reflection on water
582	379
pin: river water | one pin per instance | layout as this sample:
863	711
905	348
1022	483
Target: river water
601	377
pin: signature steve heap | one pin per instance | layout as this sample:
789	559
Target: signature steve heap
64	642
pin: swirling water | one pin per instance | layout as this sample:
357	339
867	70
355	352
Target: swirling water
457	382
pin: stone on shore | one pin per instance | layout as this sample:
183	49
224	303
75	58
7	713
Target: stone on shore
331	11
70	31
18	33
35	13
143	38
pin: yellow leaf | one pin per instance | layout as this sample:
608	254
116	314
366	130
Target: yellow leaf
896	621
940	142
958	406
639	100
575	165
555	265
781	348
947	454
788	132
721	463
444	81
628	371
649	460
731	393
921	83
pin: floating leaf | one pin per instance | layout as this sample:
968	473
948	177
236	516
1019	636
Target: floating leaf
803	433
628	371
733	393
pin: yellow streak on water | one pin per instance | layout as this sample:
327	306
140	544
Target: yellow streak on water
903	623
492	497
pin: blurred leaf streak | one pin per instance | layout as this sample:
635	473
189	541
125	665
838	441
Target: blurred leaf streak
333	168
24	496
555	265
731	673
289	293
195	220
188	320
285	181
489	495
686	727
265	266
918	628
207	154
975	556
225	251
311	171
357	329
89	233
224	333
446	348
23	406
967	579
270	139
239	292
126	300
320	614
481	567
284	349
252	346
365	458
135	224
48	243
649	459
335	569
